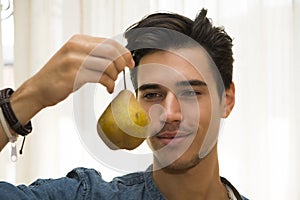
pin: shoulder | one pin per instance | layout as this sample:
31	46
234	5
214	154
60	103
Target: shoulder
74	186
131	178
81	173
137	185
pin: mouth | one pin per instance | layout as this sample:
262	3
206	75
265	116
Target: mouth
172	137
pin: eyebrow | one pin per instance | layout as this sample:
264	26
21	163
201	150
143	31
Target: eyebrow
191	83
181	83
148	86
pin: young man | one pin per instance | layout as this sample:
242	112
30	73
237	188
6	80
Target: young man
183	78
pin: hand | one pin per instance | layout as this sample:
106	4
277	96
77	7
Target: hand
82	59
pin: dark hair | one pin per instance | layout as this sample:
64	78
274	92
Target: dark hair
160	31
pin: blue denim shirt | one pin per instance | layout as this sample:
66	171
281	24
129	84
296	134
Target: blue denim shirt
82	183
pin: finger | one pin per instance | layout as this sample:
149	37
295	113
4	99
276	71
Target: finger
107	82
120	64
112	50
91	76
88	44
126	55
94	43
129	59
82	44
101	65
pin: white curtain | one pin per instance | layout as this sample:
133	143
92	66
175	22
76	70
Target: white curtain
1	62
258	146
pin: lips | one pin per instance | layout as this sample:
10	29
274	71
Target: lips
171	138
169	134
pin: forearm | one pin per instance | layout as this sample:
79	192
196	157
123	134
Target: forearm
24	102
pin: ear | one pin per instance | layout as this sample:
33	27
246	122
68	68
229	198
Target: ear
229	100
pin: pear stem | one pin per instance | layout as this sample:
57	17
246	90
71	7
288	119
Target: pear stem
125	87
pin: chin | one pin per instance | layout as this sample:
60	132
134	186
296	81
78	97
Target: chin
181	164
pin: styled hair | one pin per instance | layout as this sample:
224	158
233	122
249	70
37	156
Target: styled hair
160	31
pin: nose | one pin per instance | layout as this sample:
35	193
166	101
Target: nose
172	111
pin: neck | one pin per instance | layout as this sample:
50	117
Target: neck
199	182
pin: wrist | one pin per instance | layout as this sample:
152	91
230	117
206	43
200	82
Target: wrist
10	123
10	135
24	103
10	116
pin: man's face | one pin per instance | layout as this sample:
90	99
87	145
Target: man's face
182	103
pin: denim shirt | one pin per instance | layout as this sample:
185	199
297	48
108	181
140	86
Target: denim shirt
82	183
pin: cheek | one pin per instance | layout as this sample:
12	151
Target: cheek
146	106
197	113
157	117
205	114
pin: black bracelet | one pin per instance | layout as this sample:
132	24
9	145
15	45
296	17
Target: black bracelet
10	115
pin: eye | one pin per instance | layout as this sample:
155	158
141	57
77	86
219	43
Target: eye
190	93
152	96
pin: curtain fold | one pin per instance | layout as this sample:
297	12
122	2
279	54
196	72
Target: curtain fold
1	61
258	147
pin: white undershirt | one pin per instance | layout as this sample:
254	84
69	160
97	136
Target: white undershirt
230	193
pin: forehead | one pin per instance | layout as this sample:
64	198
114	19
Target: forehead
169	67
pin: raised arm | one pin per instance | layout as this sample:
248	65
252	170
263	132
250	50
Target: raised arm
82	59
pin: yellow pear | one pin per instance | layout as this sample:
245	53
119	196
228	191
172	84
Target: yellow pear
123	125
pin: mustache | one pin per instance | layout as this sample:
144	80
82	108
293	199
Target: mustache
174	127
